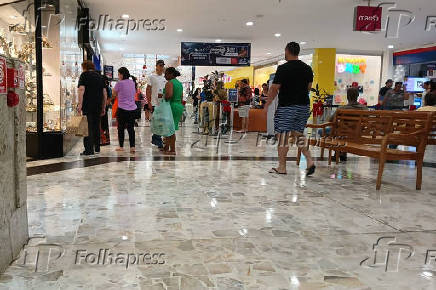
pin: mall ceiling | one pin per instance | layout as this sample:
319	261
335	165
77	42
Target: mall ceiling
318	23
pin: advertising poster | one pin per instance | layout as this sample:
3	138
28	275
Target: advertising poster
109	71
215	54
3	77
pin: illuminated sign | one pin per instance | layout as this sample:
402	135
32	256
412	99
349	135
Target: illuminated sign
368	18
351	65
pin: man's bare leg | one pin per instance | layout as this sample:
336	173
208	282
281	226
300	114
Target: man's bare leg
282	149
301	143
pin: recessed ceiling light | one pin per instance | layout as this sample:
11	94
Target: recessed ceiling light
249	23
13	16
121	48
268	53
390	46
218	40
277	35
303	42
125	16
179	30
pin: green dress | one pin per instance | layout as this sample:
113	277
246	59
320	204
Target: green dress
176	102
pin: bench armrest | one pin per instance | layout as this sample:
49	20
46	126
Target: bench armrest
397	138
320	126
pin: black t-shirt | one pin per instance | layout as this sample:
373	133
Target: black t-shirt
93	97
294	78
383	91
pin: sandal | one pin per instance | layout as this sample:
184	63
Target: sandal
310	171
276	171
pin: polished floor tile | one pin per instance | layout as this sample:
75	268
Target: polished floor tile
202	222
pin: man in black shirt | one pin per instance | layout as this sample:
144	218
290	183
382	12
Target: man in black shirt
92	104
293	81
384	90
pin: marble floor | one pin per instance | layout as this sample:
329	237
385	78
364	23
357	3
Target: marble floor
213	218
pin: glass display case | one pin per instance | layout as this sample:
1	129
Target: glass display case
52	101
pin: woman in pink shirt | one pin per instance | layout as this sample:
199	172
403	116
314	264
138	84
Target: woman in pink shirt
125	92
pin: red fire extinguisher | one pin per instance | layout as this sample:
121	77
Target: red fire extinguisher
13	99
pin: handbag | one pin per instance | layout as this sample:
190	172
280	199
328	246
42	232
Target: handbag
78	126
162	121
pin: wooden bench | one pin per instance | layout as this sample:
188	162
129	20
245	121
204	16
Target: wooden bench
369	133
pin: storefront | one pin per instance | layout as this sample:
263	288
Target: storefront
418	63
58	67
361	71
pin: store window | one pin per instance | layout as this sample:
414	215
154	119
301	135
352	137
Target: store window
361	71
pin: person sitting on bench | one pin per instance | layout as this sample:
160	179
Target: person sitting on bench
353	104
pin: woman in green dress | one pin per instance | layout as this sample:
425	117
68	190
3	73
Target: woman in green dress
173	93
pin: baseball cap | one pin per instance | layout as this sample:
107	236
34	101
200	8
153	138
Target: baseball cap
160	62
389	81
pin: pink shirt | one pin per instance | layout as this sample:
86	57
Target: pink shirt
126	94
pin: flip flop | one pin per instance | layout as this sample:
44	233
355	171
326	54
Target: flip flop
275	171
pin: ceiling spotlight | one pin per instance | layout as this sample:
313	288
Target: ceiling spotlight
249	23
179	30
390	46
303	42
218	40
268	53
277	35
125	16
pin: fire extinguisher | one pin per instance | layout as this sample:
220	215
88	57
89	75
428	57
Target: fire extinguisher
13	98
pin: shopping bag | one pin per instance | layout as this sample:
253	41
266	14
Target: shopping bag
162	121
73	126
82	129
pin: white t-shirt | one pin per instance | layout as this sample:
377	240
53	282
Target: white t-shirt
157	84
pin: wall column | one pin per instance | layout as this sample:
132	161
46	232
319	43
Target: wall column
324	69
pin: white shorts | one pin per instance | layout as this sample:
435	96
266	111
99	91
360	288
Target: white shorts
244	111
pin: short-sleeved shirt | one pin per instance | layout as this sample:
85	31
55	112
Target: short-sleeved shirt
394	99
93	96
126	94
382	93
294	78
157	84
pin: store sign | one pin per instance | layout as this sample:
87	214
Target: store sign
351	65
109	71
3	75
368	18
12	80
215	54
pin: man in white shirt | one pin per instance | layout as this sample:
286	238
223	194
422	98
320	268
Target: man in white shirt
154	94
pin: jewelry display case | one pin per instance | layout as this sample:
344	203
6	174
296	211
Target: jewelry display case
60	59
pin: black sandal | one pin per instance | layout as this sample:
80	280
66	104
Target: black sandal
310	171
275	171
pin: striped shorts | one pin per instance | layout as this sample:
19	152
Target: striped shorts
292	118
